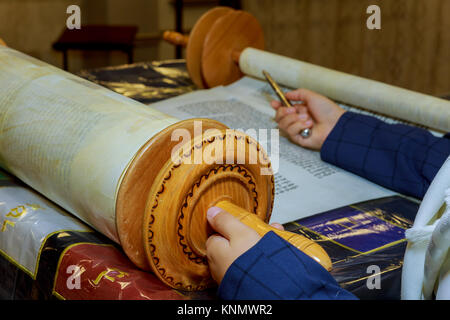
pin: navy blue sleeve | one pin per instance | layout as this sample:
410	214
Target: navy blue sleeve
273	269
400	157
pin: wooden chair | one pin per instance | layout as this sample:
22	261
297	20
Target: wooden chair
97	37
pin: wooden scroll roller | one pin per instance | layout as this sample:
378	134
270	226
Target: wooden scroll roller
2	43
215	43
140	177
226	44
186	191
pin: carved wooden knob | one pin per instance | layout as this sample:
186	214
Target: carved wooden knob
304	244
236	174
176	228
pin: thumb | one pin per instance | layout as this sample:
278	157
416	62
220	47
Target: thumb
225	223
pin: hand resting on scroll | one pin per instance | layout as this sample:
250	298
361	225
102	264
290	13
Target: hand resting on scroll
248	266
315	111
400	157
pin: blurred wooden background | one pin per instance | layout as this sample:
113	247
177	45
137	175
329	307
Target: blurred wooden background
412	49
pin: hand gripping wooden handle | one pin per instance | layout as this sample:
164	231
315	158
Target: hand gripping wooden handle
311	248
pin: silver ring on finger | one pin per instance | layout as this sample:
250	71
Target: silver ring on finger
305	133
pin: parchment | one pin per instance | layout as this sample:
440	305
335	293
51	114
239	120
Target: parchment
68	138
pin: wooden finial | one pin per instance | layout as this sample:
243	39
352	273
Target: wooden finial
214	46
2	43
176	38
229	35
175	225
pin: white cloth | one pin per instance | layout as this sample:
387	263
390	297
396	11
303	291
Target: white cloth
428	241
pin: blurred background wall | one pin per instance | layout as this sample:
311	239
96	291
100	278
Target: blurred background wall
411	50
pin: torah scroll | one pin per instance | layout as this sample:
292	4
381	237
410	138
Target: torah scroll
115	164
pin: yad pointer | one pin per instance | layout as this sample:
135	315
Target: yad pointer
305	133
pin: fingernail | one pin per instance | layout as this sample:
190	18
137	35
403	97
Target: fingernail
303	116
290	110
308	123
212	212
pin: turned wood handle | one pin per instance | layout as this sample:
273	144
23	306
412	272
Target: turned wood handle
311	248
176	38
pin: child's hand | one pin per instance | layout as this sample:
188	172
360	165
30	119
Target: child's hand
316	112
233	239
